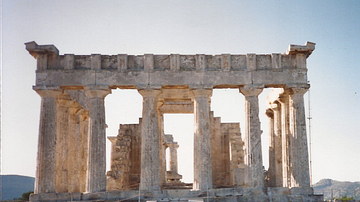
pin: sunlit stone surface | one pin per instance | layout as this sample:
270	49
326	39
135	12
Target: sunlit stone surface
227	167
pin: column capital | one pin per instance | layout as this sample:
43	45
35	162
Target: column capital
201	92
149	92
84	114
270	113
251	90
275	106
48	91
64	100
74	107
97	91
300	89
173	145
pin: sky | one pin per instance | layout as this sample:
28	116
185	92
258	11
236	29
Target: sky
189	27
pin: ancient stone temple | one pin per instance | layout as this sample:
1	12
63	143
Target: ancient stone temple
71	162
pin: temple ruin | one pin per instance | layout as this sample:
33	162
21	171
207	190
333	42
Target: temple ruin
71	162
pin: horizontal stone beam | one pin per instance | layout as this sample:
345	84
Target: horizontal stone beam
130	80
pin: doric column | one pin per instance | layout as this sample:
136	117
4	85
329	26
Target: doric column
96	178
63	103
253	155
271	170
173	162
299	150
74	145
277	144
162	150
150	161
46	163
285	138
202	144
84	135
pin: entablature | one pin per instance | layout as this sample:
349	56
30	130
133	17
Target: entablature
129	71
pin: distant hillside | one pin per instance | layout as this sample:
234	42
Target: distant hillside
338	189
13	186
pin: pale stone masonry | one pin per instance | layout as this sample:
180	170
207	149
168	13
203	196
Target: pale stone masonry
71	162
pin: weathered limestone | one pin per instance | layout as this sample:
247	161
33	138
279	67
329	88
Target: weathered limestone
270	179
173	164
202	146
275	151
291	118
125	158
150	161
74	155
63	103
278	144
71	149
172	174
46	163
253	157
237	166
299	150
285	134
96	179
84	149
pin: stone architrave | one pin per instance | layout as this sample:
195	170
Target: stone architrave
253	155
299	151
150	161
96	177
63	103
202	145
46	163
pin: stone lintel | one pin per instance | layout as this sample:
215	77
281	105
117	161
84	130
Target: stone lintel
35	49
148	87
307	49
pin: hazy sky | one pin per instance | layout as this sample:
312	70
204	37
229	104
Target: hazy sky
189	27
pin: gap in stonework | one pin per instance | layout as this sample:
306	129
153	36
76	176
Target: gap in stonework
121	107
181	127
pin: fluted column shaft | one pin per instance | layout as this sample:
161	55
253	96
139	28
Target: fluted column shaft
271	170
299	150
162	150
202	145
277	144
285	137
253	155
46	162
150	161
173	162
63	103
74	143
84	135
96	178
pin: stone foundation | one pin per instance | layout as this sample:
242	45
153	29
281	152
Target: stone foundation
277	194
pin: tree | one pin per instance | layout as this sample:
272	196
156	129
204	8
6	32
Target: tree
345	198
25	196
